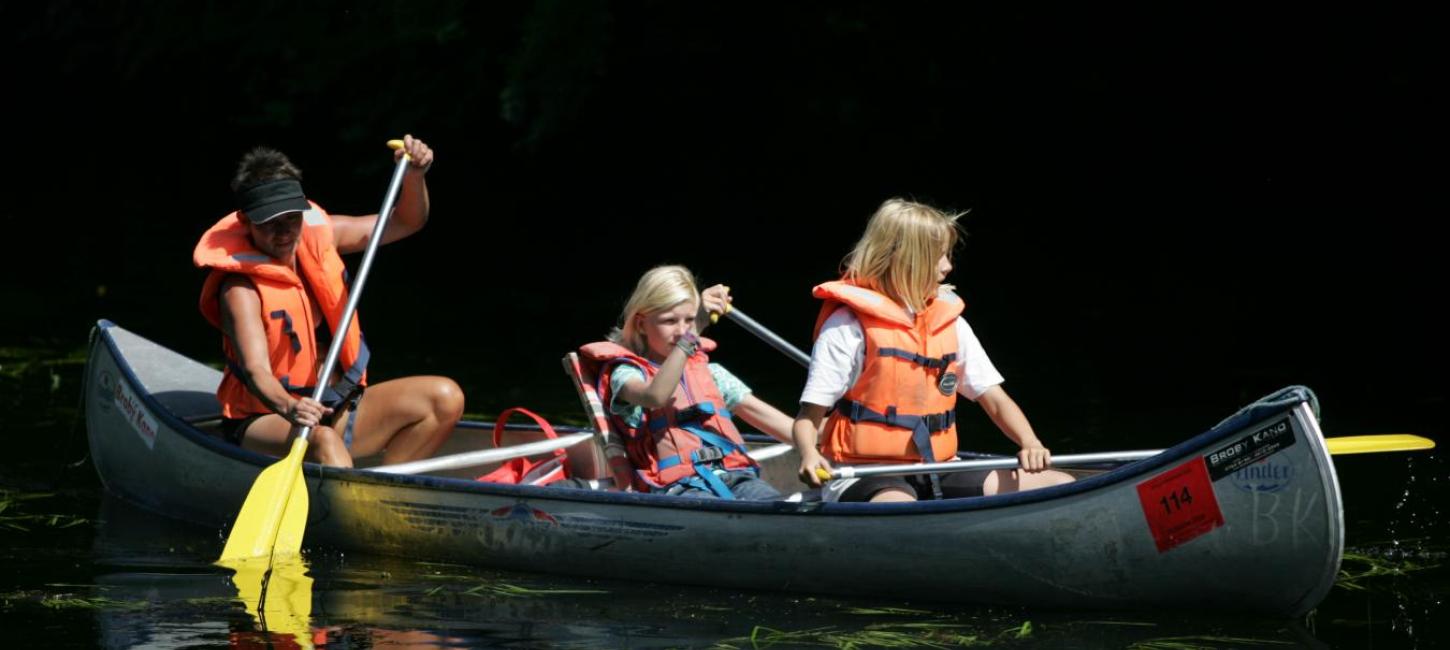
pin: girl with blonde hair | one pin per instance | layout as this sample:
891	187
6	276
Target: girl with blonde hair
891	355
672	404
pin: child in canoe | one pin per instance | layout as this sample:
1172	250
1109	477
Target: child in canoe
673	406
891	355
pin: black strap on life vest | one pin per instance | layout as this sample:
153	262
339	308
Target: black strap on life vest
935	363
921	426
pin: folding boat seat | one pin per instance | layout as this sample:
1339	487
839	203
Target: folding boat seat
605	459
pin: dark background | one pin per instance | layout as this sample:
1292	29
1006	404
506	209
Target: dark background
1173	212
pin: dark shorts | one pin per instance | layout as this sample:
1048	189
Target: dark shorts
233	429
954	485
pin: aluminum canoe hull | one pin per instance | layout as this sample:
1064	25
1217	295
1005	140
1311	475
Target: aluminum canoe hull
1244	517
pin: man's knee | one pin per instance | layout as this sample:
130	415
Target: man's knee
447	398
329	446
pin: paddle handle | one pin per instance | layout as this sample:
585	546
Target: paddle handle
355	291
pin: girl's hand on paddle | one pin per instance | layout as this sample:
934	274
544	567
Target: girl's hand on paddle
713	302
811	461
1034	458
421	156
306	412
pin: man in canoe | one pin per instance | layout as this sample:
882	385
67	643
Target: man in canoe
276	289
892	353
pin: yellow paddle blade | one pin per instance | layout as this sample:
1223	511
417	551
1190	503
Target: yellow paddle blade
294	521
284	605
1373	444
275	510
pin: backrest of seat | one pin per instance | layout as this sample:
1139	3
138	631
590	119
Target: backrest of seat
607	448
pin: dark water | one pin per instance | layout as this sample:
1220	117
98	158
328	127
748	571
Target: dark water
84	570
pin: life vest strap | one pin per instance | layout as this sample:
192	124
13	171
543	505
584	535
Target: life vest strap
692	413
935	363
858	412
922	426
282	315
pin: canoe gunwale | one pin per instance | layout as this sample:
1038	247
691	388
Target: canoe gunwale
1283	401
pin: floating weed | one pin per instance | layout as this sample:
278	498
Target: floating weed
1203	642
884	635
504	589
211	601
16	362
12	517
447	576
515	591
1357	567
885	611
97	602
68	602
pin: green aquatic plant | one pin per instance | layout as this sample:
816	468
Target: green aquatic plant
97	602
13	518
17	362
515	591
884	635
503	589
1356	568
885	611
1203	643
66	601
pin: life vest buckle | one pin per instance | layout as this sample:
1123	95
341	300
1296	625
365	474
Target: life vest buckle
708	455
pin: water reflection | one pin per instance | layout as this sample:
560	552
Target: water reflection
176	598
278	595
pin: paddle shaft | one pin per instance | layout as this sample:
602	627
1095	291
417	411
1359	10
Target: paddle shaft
485	456
768	336
862	471
355	291
1335	446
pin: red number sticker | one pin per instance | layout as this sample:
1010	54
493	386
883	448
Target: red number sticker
1180	505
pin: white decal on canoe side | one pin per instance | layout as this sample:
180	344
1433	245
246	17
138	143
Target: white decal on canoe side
135	414
1267	518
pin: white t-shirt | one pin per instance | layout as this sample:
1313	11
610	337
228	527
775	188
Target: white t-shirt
840	350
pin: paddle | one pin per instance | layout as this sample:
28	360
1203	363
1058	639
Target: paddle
485	456
274	516
1336	446
766	335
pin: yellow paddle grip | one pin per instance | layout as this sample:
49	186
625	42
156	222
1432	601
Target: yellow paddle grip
396	145
714	316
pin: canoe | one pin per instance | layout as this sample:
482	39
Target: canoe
1244	517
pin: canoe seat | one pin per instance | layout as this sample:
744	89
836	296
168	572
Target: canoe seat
607	450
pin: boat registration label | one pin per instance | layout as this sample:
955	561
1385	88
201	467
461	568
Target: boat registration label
1180	505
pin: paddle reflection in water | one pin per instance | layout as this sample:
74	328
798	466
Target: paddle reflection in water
277	594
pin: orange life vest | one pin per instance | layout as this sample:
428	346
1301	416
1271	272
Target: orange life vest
902	408
286	309
683	441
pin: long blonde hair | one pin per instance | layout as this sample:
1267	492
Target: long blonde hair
661	288
898	254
